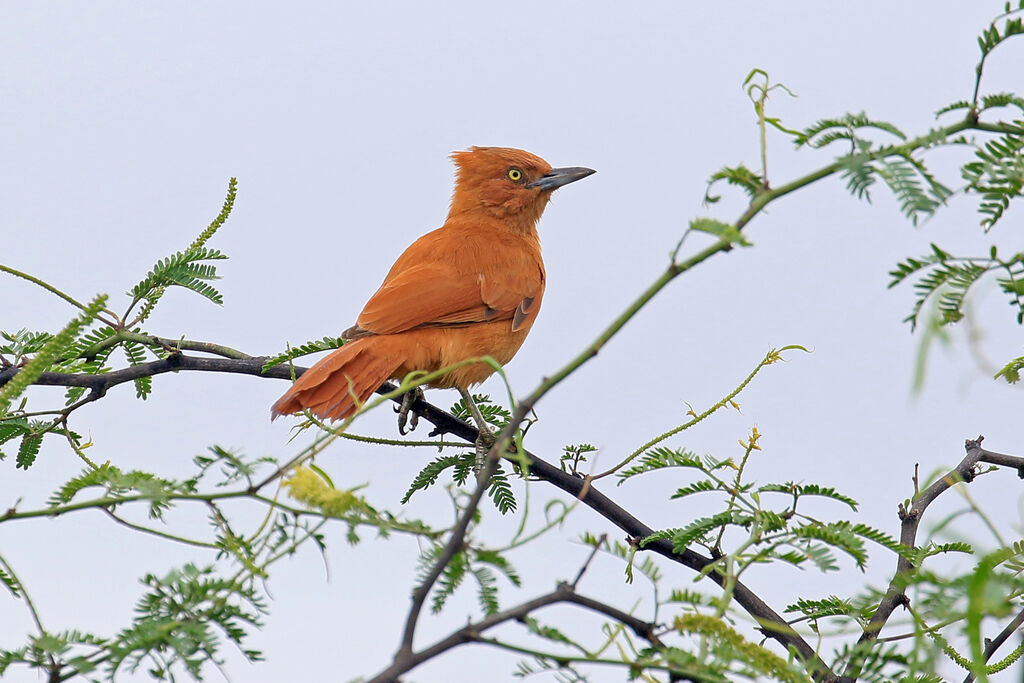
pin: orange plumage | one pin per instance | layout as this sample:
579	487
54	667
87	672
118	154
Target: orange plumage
471	288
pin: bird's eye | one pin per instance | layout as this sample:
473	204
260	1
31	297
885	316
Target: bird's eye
515	175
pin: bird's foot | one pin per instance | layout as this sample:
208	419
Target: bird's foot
484	442
405	414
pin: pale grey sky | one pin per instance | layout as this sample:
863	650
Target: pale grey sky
120	124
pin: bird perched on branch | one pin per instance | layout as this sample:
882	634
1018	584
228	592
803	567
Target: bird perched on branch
469	289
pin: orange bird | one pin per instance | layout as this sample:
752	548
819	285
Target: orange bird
469	289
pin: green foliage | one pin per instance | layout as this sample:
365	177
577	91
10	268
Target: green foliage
548	632
136	355
470	561
627	553
500	491
184	269
12	428
232	467
494	414
846	129
832	606
88	355
28	450
739	176
316	346
798	490
49	352
220	219
119	485
22	343
997	174
660	457
918	192
428	475
1011	371
992	37
80	350
730	649
186	617
721	230
183	620
949	279
12	585
574	456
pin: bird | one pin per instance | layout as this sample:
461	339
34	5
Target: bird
469	289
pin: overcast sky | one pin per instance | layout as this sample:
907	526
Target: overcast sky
120	124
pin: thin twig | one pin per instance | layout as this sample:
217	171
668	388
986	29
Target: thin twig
995	643
910	518
564	593
445	423
597	546
455	543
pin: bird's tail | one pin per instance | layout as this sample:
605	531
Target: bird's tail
338	384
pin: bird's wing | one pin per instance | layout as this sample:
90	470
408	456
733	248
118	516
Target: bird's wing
436	294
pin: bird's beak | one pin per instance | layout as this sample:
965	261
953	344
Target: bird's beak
557	177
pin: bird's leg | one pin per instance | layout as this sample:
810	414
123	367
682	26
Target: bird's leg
485	437
408	398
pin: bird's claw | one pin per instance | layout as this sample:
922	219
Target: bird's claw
405	414
484	443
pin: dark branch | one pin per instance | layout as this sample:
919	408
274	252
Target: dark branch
995	643
454	545
910	521
564	593
770	622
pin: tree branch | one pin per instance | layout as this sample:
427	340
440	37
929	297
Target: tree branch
408	660
995	643
771	623
910	520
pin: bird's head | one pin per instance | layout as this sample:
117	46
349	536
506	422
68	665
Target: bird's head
508	184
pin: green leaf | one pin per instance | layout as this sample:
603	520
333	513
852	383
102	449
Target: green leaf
487	589
183	618
797	490
740	176
23	342
219	220
660	458
500	492
547	632
12	428
182	269
53	349
29	449
826	131
451	578
497	561
831	606
1011	371
428	475
494	414
316	346
10	582
721	230
700	486
997	175
838	535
